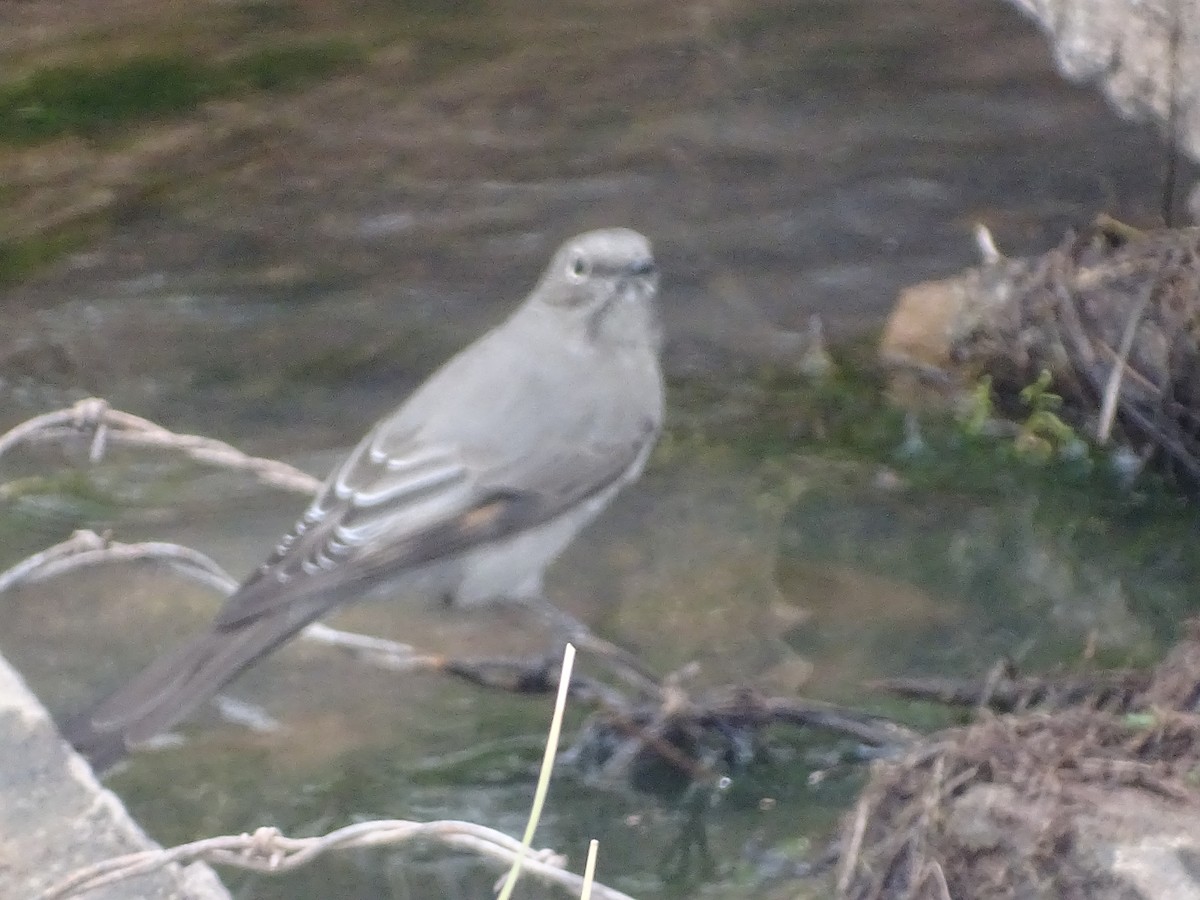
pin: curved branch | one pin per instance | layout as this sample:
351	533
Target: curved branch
268	850
104	425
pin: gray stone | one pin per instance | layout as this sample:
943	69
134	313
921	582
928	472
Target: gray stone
1123	843
1145	54
56	817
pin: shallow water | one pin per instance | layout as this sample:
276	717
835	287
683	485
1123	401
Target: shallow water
807	158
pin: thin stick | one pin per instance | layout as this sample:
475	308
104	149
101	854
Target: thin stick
1112	389
850	859
543	785
86	548
268	850
986	244
589	869
106	425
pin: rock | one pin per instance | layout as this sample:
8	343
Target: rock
1144	55
56	817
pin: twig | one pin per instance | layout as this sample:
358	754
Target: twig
1112	389
94	418
1069	317
854	848
1167	441
86	548
986	245
1009	692
535	675
866	727
270	851
377	651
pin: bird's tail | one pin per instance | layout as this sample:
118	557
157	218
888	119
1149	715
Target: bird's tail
177	683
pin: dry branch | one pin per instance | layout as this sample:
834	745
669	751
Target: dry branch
86	548
270	851
1010	692
99	424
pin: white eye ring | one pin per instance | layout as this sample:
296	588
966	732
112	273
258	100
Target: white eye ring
578	268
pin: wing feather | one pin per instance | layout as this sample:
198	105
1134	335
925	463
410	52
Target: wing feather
467	459
403	517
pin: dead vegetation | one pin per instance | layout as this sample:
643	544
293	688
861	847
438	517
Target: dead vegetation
1086	796
1114	317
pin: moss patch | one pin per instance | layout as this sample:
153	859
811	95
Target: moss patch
90	100
21	257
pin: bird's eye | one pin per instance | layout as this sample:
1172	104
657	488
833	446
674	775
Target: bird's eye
579	268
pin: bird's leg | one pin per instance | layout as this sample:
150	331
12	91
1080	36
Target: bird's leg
620	661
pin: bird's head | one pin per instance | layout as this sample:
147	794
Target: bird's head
606	279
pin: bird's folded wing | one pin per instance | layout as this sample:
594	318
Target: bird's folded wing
388	510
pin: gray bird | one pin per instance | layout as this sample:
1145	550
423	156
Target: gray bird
467	491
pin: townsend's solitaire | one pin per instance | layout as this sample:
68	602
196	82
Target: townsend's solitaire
467	491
